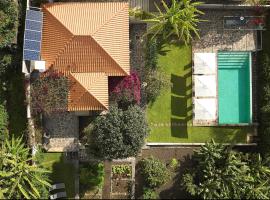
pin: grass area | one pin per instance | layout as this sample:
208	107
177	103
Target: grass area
62	171
174	105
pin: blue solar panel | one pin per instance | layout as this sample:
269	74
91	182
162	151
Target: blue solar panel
34	15
32	35
33	25
32	45
31	55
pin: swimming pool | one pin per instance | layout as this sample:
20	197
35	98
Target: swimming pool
234	88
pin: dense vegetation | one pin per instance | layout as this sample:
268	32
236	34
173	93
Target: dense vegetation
8	22
126	91
264	91
221	173
120	133
19	179
91	177
49	93
179	19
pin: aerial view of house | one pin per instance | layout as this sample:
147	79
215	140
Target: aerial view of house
134	99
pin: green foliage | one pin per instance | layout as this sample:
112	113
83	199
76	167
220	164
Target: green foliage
180	20
255	2
121	170
3	123
154	172
49	93
8	21
265	78
18	178
92	175
120	134
220	173
151	54
174	163
155	80
149	193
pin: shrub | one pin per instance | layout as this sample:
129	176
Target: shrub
128	91
49	93
154	172
155	80
120	133
92	175
151	54
174	163
8	21
149	193
3	123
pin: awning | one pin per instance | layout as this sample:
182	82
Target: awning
205	85
205	63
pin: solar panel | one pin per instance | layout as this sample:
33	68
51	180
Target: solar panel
32	45
33	25
31	55
32	35
34	15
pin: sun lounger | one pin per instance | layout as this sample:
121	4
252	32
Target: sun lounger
57	186
58	195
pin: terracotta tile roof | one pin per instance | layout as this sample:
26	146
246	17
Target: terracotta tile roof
88	42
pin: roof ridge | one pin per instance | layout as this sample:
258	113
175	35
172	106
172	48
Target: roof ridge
66	29
93	35
87	89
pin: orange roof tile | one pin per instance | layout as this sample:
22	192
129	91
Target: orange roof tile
88	42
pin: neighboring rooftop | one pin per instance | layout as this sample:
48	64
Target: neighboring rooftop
88	42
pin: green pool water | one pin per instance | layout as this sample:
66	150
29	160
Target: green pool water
234	88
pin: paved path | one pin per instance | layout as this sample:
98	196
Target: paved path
107	180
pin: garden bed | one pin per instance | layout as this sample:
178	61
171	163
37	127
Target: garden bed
121	179
172	189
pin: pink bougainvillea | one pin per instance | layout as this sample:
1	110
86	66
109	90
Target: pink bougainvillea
129	86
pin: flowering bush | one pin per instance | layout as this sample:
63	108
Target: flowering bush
126	91
49	93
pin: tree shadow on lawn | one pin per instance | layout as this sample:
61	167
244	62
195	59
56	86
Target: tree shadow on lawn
179	105
63	171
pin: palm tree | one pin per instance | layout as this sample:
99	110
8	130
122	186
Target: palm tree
18	177
180	19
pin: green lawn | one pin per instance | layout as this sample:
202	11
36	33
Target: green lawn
62	171
174	105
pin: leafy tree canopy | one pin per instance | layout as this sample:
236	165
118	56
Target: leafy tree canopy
8	21
220	173
120	133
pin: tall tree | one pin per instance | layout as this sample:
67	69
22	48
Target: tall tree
220	173
18	177
120	133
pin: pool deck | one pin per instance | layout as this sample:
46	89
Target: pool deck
213	37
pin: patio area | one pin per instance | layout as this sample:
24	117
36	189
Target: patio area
62	132
214	37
